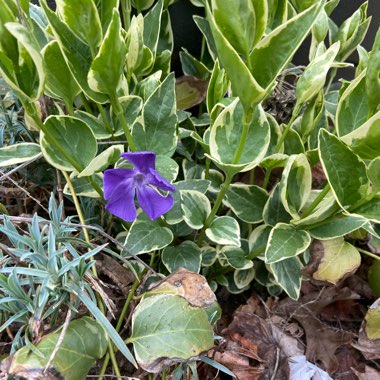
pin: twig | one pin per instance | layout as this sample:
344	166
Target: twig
59	341
28	194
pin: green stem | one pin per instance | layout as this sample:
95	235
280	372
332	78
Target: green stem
287	128
86	104
370	254
316	201
331	80
122	315
105	118
126	11
266	178
78	208
214	210
118	109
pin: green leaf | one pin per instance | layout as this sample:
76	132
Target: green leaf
217	86
84	342
102	161
339	225
106	71
62	145
101	318
224	230
351	33
336	259
234	257
97	126
186	255
274	211
227	133
152	25
353	106
276	49
158	133
18	153
373	76
345	171
236	20
30	72
77	53
370	210
284	242
167	167
135	44
373	173
246	201
59	80
181	331
195	207
243	277
132	106
105	12
83	20
287	274
243	83
364	141
175	215
314	77
295	185
258	240
146	236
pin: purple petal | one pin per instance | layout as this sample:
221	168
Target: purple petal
122	203
115	179
156	180
153	203
142	161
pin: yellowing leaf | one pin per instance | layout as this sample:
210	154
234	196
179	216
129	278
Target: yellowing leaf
336	258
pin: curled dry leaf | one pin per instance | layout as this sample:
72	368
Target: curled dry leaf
368	374
189	285
190	91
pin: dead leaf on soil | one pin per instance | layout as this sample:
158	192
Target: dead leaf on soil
369	374
322	341
256	348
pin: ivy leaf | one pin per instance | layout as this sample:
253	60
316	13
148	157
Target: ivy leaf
85	342
181	332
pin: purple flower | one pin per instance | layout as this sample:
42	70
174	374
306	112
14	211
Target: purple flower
121	186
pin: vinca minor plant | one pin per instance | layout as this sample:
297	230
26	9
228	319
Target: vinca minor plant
194	179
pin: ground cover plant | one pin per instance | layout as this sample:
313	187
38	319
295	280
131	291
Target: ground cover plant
149	199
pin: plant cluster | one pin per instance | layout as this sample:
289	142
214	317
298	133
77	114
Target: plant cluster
205	173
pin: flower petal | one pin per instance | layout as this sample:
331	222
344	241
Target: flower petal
114	178
156	180
152	202
122	203
143	161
